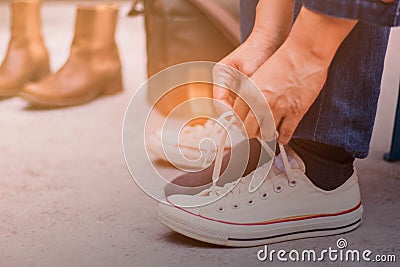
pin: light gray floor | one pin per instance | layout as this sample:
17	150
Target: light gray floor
67	199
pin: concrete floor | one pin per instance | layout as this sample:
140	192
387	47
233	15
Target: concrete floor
67	199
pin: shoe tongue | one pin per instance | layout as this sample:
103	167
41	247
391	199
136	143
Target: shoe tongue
294	160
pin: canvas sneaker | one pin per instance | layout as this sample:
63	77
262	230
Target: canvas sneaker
286	206
186	150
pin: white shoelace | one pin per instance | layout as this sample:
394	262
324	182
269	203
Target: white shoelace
210	130
263	172
221	146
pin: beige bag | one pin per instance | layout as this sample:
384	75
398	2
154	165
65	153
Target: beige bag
188	30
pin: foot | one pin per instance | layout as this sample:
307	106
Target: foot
286	206
93	67
27	58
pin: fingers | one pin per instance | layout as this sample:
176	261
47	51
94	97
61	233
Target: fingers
287	114
286	124
241	108
286	130
251	124
224	81
224	99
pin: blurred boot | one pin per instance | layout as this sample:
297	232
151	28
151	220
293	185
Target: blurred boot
94	65
27	58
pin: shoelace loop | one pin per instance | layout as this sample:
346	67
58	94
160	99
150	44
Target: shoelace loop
263	171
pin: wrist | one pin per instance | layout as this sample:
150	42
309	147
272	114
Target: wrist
317	36
265	40
272	24
301	54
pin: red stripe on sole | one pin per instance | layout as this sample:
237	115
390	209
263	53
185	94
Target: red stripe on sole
305	217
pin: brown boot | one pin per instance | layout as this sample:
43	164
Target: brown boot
93	68
27	58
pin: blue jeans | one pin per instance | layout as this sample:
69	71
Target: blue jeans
343	115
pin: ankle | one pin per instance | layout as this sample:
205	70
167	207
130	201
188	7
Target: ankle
327	166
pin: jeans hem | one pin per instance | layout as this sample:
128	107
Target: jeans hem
371	12
355	154
397	17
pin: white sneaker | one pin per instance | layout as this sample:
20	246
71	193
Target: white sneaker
287	206
188	152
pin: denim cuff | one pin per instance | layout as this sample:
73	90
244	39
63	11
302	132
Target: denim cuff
368	11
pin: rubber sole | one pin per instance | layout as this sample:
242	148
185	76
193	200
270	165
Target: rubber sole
239	235
46	103
9	94
41	102
115	86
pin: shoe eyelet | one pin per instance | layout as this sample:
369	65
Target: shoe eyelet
220	209
235	206
278	189
264	195
293	183
250	202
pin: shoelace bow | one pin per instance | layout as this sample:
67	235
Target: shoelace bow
264	172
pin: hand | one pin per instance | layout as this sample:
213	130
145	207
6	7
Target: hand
294	76
246	59
290	81
272	26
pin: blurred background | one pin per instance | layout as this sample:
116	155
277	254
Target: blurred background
66	196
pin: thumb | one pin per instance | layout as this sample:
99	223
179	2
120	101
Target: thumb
224	85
